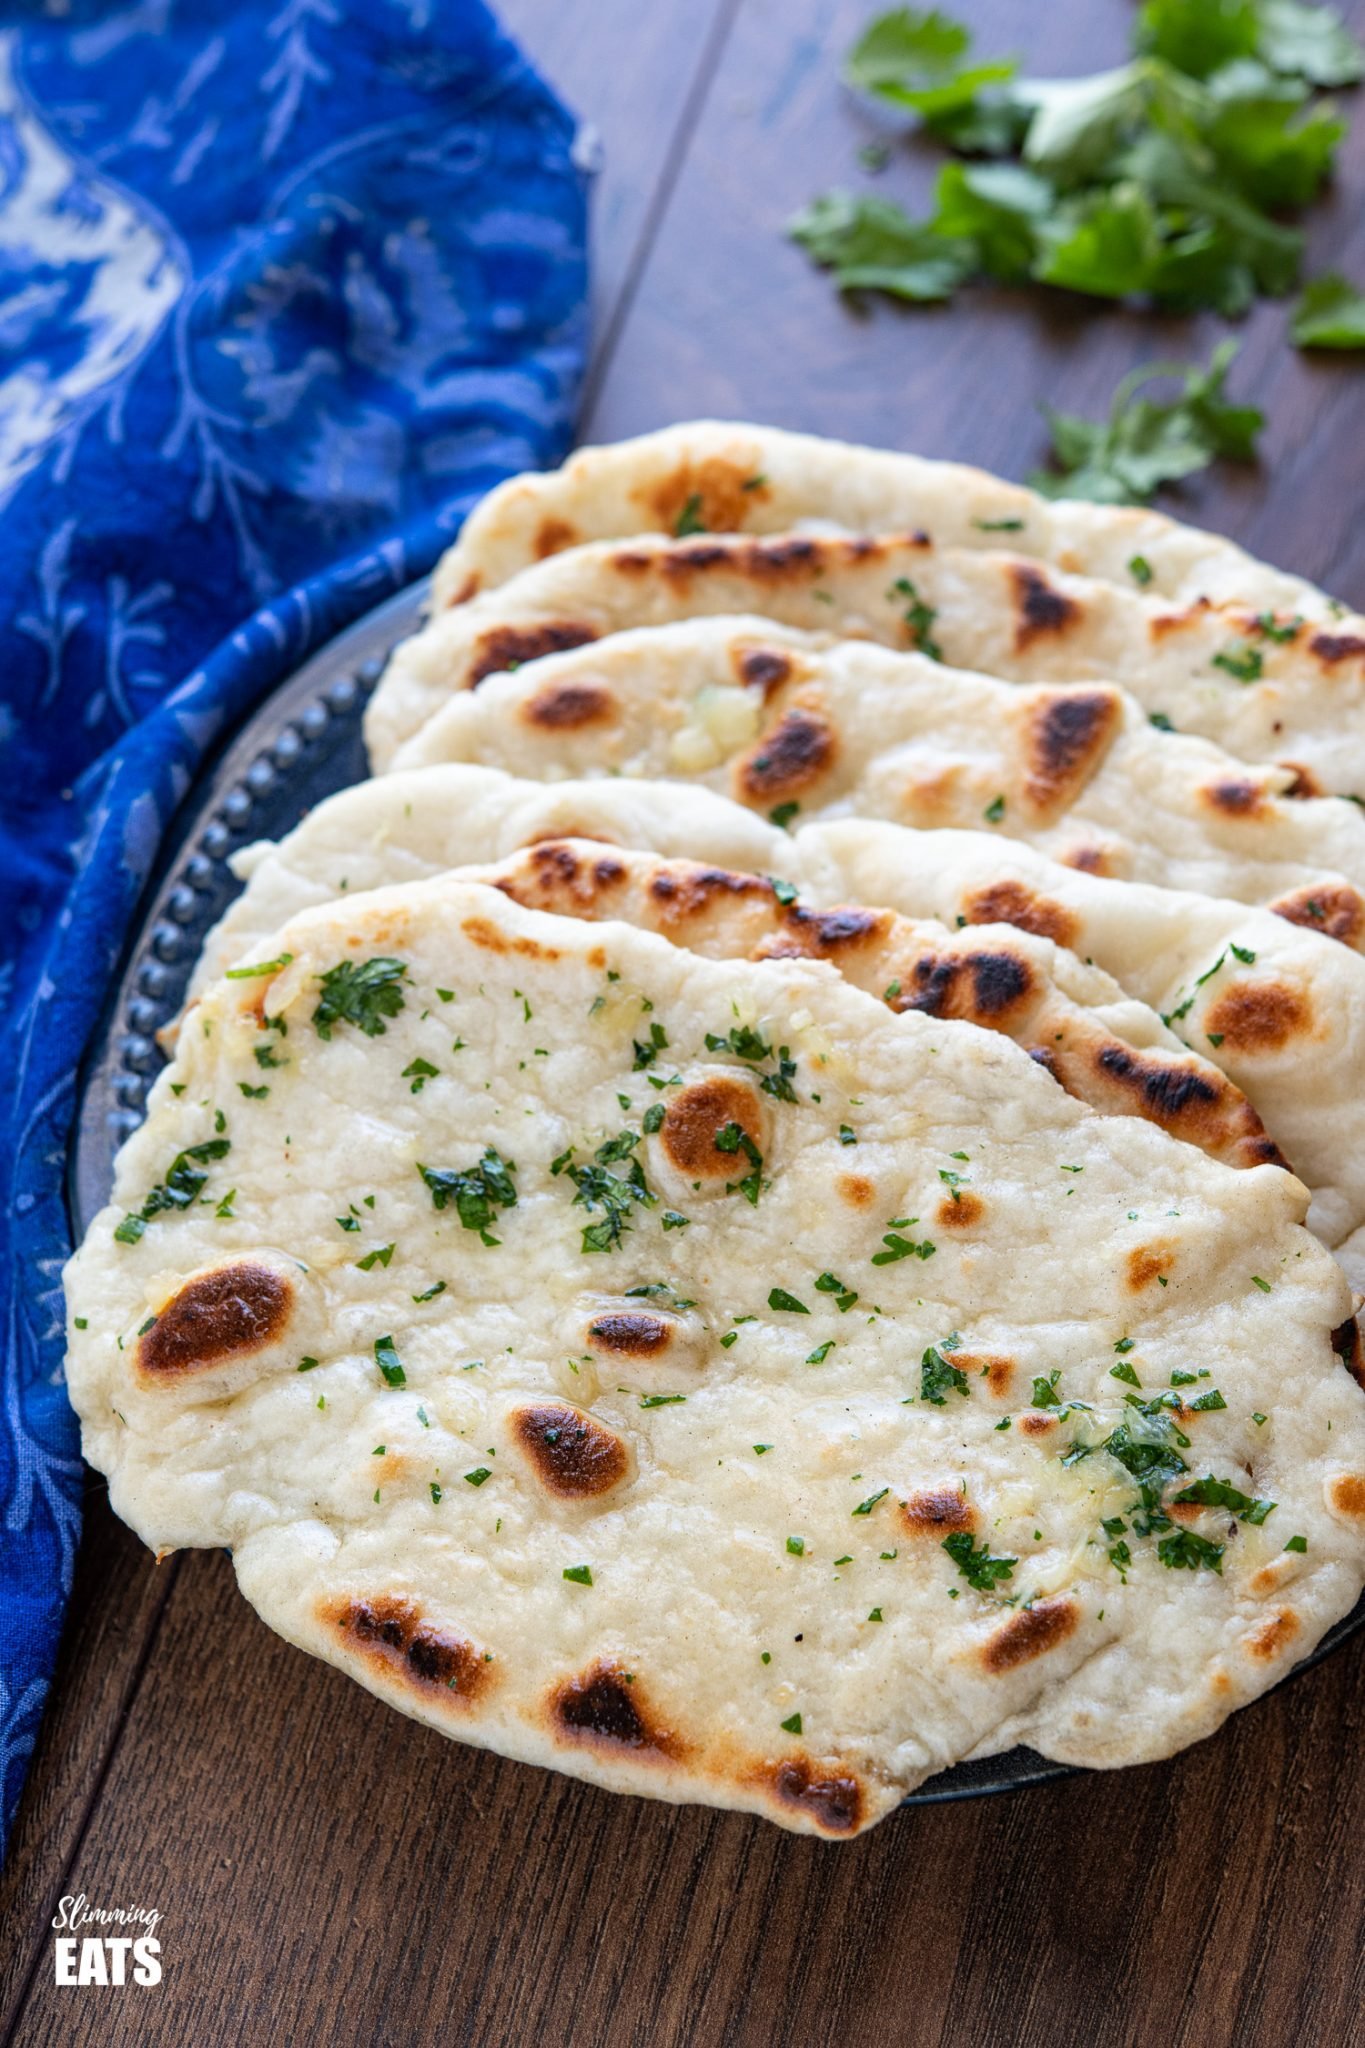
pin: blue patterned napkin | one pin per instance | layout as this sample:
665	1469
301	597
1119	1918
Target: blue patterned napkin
284	287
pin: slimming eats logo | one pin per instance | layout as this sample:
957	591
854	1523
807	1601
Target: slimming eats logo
128	1953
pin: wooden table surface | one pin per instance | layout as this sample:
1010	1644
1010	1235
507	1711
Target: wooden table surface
329	1872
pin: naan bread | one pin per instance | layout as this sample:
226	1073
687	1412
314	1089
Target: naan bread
771	716
1283	1016
1281	1009
702	1539
723	477
1072	1018
1267	687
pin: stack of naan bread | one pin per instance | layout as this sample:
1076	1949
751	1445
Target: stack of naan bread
775	1204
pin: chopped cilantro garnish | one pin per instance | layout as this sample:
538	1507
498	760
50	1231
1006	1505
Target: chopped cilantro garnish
647	1051
1182	1550
792	1724
689	519
865	1507
386	1358
477	1191
380	1256
779	1298
258	968
419	1072
981	1571
478	1475
1221	1493
580	1574
184	1180
939	1377
994	811
796	1545
820	1353
360	992
1244	663
661	1400
919	618
1299	1544
1140	569
898	1247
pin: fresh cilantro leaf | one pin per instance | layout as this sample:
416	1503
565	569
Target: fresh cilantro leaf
185	1177
387	1359
360	992
981	1571
1331	314
477	1191
1221	1493
919	60
939	1377
1146	442
1184	1551
871	244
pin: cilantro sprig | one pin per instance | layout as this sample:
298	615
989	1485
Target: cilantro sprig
1167	177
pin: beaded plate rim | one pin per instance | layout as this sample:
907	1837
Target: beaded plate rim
301	744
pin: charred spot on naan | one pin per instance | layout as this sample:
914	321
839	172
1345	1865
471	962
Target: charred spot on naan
830	1796
605	1708
1164	624
481	931
697	1115
787	760
1346	1342
508	647
1332	908
1273	1635
1259	1016
990	987
717	494
960	1209
1090	860
939	1510
1344	1493
569	707
1014	903
1147	1263
631	1333
1030	1633
553	536
389	1632
857	1190
1304	784
573	1455
1332	649
1237	796
827	934
680	891
1042	611
1195	1103
1066	735
218	1318
552	875
1036	1422
762	668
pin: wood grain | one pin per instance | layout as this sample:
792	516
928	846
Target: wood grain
330	1872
